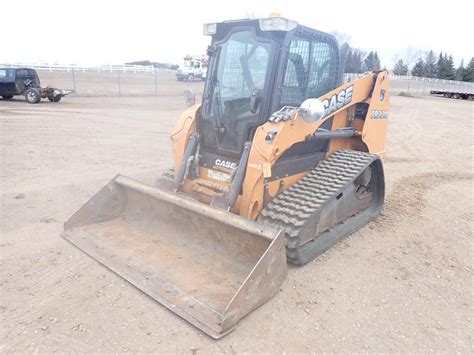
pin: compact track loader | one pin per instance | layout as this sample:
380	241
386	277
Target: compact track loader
279	162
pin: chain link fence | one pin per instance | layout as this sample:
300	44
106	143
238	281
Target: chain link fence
136	80
121	80
417	86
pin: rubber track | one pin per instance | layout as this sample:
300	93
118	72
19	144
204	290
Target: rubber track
296	206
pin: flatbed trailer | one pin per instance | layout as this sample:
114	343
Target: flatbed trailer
453	94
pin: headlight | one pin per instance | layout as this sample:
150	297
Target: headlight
277	24
209	29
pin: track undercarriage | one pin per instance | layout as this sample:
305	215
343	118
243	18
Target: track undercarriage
335	199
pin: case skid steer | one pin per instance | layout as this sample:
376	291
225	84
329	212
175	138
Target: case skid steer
279	162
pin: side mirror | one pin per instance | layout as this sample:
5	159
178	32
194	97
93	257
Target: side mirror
189	97
311	110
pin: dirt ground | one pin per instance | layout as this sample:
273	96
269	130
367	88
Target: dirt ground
403	283
106	83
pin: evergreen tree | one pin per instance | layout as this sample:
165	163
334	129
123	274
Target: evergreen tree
440	66
445	67
469	71
450	72
430	65
419	68
349	60
400	68
371	62
357	60
376	62
367	64
460	71
354	61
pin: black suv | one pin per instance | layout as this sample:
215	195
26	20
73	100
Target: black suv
25	82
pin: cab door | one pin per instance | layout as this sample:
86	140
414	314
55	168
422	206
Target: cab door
21	76
312	66
311	70
26	78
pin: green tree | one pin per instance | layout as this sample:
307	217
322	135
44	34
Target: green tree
445	67
376	63
449	67
460	71
430	65
400	68
354	61
440	65
367	64
469	71
419	68
357	59
349	59
371	62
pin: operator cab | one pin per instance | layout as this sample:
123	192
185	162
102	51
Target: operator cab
256	67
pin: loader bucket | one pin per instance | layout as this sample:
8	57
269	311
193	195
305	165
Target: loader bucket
209	266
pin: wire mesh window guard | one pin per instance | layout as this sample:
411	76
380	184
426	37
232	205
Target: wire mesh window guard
310	71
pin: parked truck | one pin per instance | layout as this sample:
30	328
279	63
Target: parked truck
193	68
25	82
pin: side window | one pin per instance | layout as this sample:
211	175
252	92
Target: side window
310	71
323	69
6	73
21	73
296	76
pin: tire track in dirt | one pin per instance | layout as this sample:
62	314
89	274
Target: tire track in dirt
43	293
46	277
407	199
400	160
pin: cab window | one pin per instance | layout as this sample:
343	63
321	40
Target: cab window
322	77
310	71
296	76
6	73
21	73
